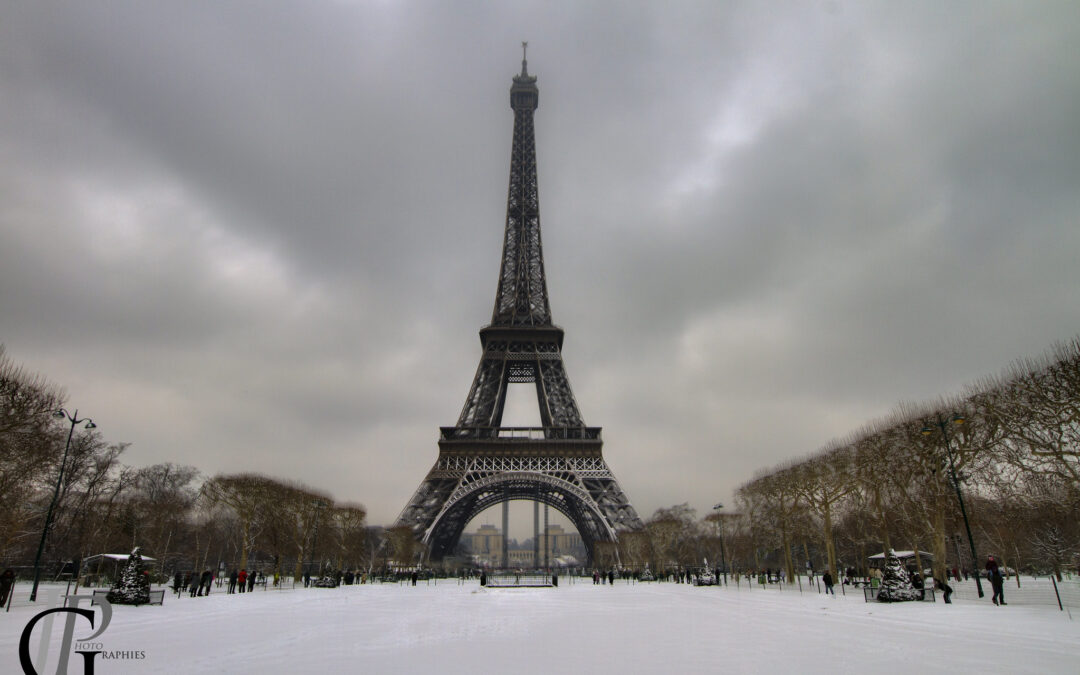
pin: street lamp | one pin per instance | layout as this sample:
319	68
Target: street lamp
74	419
926	431
720	525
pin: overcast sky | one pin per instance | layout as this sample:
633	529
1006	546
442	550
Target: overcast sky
262	236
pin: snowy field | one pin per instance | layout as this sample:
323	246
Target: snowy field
575	628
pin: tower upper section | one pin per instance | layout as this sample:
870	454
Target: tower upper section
521	299
523	93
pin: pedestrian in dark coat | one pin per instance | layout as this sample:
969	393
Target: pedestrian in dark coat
828	581
178	582
233	576
7	582
205	582
993	573
251	582
945	589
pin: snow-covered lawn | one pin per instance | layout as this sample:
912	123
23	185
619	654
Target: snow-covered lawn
575	628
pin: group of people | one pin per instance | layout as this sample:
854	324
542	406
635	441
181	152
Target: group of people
245	580
197	584
335	578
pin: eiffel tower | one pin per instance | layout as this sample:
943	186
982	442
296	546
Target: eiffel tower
481	463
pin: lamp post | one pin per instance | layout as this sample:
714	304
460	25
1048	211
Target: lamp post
720	525
74	419
926	431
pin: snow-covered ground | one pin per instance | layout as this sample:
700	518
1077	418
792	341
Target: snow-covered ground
579	627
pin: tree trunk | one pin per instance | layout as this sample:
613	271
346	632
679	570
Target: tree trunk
298	570
164	552
882	522
245	526
938	545
830	548
789	563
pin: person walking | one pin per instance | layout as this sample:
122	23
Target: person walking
827	579
232	581
241	579
945	589
205	582
7	582
993	573
251	581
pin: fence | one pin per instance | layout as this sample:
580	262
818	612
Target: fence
520	580
1025	590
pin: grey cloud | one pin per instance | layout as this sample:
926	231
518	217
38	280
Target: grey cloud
263	235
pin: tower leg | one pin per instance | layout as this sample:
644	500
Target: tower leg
536	534
547	543
506	536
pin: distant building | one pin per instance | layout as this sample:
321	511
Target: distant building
485	545
521	557
561	543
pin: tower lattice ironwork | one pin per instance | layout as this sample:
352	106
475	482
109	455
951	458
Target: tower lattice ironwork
481	463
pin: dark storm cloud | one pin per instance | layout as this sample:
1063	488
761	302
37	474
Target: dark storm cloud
261	236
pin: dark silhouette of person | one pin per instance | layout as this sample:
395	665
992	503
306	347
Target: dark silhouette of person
945	588
251	582
827	579
7	582
997	582
233	576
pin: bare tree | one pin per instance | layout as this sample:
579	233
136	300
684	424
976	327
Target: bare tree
403	544
31	444
246	494
823	482
348	521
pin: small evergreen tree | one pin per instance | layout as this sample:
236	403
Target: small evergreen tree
896	582
132	587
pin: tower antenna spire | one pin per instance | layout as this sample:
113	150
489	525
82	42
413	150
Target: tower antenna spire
524	60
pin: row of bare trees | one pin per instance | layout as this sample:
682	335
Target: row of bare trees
179	519
1013	443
